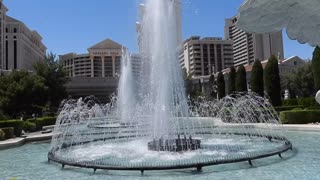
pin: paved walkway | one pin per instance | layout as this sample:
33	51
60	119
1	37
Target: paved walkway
31	137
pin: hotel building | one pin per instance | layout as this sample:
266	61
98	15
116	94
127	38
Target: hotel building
248	47
206	56
20	47
94	73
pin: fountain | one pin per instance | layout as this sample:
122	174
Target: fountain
160	128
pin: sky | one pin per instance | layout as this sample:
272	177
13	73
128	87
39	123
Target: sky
75	25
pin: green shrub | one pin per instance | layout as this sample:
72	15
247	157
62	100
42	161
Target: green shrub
300	116
29	126
307	102
313	108
287	108
2	135
16	124
290	102
9	132
45	121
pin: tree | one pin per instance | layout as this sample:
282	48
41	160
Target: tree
299	82
316	67
212	87
272	81
55	79
221	85
257	85
241	79
232	80
22	93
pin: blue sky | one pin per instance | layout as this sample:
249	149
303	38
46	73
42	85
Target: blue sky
74	25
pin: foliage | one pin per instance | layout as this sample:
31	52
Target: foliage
16	124
212	87
290	102
8	132
45	121
232	80
54	78
299	82
316	67
29	126
272	81
257	85
221	86
22	92
2	135
300	116
304	102
241	79
287	108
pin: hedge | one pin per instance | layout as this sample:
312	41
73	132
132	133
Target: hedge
300	116
44	121
16	124
2	135
287	108
29	126
305	102
8	132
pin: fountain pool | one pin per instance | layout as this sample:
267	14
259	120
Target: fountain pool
30	162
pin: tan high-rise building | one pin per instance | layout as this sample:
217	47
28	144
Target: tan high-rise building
206	56
248	47
20	47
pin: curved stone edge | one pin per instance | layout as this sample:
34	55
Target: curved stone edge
284	148
17	142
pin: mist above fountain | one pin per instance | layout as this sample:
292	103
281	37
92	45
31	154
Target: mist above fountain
157	128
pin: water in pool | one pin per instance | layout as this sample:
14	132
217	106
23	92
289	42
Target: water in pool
30	162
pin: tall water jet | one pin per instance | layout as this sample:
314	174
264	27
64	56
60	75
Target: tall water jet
126	89
159	37
166	133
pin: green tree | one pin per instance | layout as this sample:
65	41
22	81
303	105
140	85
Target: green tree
232	80
55	79
272	81
212	87
22	93
241	79
299	82
221	86
316	67
257	85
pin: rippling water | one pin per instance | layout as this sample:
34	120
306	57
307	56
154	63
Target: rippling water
30	162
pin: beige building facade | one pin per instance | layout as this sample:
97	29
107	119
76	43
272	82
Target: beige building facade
206	56
20	47
248	47
94	73
102	60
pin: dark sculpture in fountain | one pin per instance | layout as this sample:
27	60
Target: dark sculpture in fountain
175	145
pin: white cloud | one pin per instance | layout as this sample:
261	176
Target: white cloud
301	18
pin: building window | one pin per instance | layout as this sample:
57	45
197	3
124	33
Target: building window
14	30
15	55
7	51
14	37
7	30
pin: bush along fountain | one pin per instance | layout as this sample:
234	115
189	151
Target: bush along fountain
154	126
